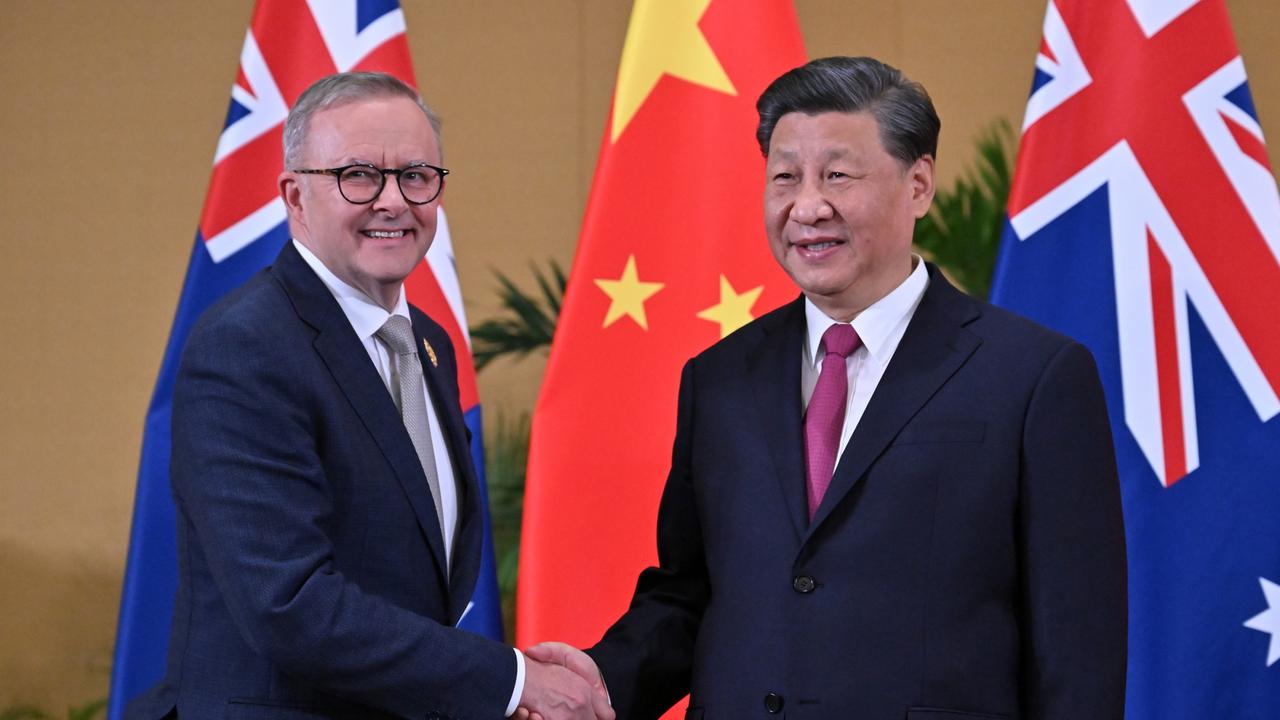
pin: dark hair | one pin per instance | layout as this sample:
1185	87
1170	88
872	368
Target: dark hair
908	123
341	89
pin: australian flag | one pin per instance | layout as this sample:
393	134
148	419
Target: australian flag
1144	220
290	44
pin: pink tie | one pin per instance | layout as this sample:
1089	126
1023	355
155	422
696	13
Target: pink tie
824	419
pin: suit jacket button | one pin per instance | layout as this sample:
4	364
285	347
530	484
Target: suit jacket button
773	703
803	584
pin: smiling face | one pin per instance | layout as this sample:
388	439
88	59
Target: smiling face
374	246
840	210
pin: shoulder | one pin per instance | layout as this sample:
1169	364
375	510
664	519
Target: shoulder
1012	331
254	324
784	323
1002	333
257	304
1012	355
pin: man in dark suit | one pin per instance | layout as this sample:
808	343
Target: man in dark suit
329	525
887	499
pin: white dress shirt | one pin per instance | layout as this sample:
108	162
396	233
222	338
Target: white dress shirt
880	328
366	318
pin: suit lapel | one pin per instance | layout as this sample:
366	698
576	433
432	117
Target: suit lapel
348	362
441	373
934	346
774	368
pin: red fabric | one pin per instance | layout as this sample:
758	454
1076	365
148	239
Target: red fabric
680	191
1138	99
824	418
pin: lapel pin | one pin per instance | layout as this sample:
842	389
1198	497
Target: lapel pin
430	353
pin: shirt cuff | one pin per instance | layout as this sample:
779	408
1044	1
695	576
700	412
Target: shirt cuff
518	690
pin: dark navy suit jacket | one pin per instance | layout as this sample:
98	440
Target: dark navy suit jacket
312	578
967	562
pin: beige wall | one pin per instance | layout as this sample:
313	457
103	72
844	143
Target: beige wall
112	111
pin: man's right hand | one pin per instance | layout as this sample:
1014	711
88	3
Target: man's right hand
553	692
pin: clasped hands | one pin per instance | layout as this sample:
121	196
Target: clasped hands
562	683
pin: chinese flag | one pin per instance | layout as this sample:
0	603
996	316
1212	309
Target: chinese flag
672	258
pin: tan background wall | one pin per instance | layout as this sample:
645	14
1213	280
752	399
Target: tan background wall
111	114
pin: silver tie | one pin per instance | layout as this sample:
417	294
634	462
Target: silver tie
407	388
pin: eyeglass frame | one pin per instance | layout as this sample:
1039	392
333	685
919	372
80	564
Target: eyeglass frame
382	175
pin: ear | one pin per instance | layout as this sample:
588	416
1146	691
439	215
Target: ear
921	180
290	187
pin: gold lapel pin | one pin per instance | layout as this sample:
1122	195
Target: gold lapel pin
430	353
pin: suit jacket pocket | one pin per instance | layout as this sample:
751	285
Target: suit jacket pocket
948	431
925	713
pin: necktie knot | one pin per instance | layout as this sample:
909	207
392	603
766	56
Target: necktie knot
397	333
841	339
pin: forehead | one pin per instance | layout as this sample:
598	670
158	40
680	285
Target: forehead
378	129
827	133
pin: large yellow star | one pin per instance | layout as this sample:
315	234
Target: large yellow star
663	39
627	295
734	309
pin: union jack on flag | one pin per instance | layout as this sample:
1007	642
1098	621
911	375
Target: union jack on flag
1144	220
290	44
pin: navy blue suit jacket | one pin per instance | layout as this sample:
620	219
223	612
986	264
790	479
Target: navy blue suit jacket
967	561
312	579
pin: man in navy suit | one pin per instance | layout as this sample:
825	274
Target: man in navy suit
329	525
887	499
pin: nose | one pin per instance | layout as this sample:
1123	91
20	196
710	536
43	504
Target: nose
810	205
389	199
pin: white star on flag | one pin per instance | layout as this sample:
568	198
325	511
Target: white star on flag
1268	621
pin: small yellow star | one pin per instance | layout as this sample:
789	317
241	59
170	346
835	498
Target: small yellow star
663	38
627	295
734	309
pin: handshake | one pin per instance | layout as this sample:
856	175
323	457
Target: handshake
562	683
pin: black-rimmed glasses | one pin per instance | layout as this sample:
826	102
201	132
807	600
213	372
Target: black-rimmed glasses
360	183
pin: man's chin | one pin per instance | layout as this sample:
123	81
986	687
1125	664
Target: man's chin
395	279
815	285
395	267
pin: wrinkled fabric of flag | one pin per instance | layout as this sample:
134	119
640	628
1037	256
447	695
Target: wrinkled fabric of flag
672	257
1144	221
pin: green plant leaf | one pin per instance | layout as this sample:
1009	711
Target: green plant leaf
528	321
506	456
962	231
552	289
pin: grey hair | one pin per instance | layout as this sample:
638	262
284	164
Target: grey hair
340	89
908	123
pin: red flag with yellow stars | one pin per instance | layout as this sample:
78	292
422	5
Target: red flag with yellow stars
672	258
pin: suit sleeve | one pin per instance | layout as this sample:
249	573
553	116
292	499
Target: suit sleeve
647	656
1071	548
248	479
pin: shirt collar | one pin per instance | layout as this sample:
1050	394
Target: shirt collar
876	324
365	315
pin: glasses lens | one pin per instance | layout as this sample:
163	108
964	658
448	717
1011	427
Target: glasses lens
360	184
419	184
